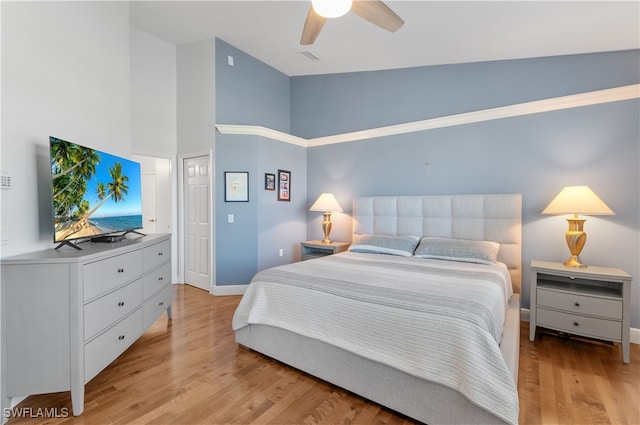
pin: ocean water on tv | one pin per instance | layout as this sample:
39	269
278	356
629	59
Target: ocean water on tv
116	223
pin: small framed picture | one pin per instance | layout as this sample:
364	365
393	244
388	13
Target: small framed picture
269	181
284	185
236	186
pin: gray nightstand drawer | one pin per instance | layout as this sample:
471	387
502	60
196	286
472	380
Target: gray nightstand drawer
581	304
582	325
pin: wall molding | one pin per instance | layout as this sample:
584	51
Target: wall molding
255	130
616	94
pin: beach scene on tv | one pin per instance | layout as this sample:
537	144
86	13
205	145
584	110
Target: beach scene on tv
94	193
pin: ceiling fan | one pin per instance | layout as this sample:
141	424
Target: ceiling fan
374	11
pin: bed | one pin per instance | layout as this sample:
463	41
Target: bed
422	315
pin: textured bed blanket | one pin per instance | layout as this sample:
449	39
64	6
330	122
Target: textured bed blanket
437	320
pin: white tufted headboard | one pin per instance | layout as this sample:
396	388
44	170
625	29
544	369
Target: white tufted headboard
495	218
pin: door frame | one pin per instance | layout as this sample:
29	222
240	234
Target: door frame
181	214
173	214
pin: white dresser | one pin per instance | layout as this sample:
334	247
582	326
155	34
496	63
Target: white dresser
68	314
594	302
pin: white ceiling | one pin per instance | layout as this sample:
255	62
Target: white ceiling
435	32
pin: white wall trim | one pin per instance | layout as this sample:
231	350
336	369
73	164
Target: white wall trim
224	290
255	130
535	107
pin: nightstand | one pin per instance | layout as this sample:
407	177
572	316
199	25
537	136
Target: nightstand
594	302
316	249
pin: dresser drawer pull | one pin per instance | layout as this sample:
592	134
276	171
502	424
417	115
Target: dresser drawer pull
577	304
160	254
160	278
121	304
121	337
120	270
576	324
161	303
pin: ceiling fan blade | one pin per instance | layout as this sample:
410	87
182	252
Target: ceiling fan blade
378	13
312	27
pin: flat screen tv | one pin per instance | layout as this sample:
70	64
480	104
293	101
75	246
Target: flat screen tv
96	195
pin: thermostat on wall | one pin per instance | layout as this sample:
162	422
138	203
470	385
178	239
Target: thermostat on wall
5	180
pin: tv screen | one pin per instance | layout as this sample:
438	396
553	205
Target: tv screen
94	193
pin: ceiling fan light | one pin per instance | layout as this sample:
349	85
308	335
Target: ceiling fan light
331	8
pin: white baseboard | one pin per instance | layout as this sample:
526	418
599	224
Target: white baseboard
634	338
225	290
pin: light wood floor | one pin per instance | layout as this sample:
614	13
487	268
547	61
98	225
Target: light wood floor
190	371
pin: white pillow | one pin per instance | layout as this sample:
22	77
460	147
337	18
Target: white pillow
403	246
483	252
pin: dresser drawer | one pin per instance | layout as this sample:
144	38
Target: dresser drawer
105	348
592	306
582	325
157	305
157	254
110	308
107	274
156	280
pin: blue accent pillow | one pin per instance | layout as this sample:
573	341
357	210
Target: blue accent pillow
403	246
483	252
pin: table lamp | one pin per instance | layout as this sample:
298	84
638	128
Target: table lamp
577	200
326	203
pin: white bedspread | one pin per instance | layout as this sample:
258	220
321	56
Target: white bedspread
437	320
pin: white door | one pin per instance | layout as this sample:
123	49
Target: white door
149	219
197	222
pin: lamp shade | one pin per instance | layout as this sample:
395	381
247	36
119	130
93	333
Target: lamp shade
326	202
577	200
331	8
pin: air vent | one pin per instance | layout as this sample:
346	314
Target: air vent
309	56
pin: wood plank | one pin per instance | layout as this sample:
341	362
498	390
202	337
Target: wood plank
190	370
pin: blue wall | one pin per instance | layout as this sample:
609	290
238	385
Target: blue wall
536	155
250	92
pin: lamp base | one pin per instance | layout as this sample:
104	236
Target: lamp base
576	238
326	227
574	261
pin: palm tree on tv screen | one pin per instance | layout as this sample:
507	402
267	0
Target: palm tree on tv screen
118	188
73	166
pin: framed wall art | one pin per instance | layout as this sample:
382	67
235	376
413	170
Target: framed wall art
269	181
284	185
236	186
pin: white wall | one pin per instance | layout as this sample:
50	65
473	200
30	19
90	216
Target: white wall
154	120
153	95
65	73
196	96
